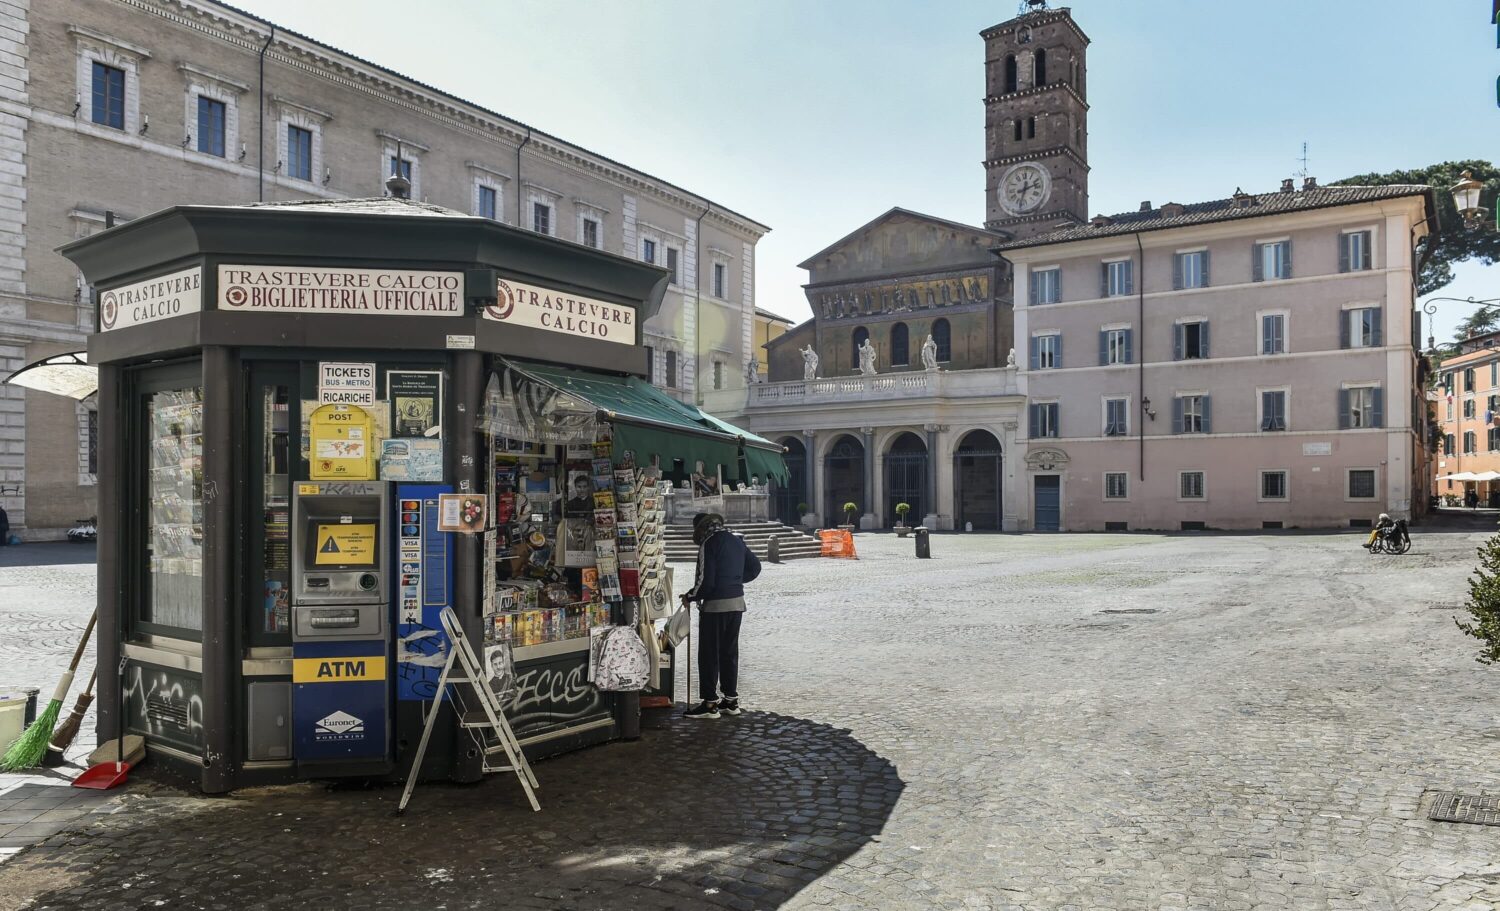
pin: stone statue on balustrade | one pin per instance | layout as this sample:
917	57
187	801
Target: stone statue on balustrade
1010	360
867	359
809	363
752	371
929	354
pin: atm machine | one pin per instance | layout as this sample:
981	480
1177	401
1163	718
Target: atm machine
341	634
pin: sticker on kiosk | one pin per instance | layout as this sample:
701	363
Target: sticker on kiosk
345	545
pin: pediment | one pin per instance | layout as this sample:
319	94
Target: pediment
902	242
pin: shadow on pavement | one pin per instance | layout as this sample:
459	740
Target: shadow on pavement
736	813
48	553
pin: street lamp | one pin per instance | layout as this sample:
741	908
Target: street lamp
1466	197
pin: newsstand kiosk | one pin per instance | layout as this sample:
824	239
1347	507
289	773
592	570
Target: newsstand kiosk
321	423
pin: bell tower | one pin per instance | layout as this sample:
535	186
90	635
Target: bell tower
1035	122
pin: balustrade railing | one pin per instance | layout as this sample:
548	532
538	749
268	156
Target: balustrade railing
914	384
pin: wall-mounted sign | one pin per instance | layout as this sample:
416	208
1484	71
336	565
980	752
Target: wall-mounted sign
348	384
366	292
461	342
155	298
1317	449
559	311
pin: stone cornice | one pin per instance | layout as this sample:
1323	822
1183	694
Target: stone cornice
1036	154
1039	90
1037	20
203	75
88	34
353	74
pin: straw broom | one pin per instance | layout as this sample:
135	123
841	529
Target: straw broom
28	750
58	747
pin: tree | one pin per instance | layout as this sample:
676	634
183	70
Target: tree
1452	241
1484	602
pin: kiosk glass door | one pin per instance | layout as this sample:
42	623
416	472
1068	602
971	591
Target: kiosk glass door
170	570
273	413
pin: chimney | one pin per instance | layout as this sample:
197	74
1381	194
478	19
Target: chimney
1172	209
1100	221
1286	185
1145	205
1309	183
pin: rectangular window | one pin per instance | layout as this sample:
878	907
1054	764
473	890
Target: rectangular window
401	166
1047	352
93	438
1361	408
1114	347
721	280
1468	379
1450	409
1190	270
1492	404
650	364
487	202
1273	485
590	233
1468	408
1273	333
1116	422
1354	251
1448	446
1361	483
1494	374
172	514
541	218
671	377
672	264
1190	485
1116	485
1191	341
718	374
1273	409
1471	442
648	251
1044	419
210	126
1046	286
109	96
1273	261
299	153
1190	414
1119	278
1492	438
1361	329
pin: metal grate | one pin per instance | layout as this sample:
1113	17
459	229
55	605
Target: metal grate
1450	806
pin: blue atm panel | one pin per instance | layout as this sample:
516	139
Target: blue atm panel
339	700
424	586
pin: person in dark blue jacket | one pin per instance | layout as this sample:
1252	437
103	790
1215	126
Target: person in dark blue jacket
725	564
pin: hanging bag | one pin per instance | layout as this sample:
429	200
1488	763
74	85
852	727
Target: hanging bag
622	664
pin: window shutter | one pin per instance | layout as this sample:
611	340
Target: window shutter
1057	357
1033	292
1257	262
1365	251
1103	348
1376	335
1104	279
1129	277
1345	242
1205	269
1344	420
1267	333
1177	341
1036	353
1207	413
1377	407
1203	339
1344	328
1129	346
1176	414
1286	262
1177	272
1267	416
1032	422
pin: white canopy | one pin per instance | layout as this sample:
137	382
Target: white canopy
1461	476
1487	476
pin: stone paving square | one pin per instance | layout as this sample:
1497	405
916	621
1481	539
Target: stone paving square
1222	722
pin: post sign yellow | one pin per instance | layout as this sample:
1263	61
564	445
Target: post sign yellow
338	670
341	444
345	545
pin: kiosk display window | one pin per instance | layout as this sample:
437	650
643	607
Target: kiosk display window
276	559
174	509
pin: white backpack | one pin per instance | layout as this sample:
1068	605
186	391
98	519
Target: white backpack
618	660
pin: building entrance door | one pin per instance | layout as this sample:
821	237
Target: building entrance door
1047	502
844	478
794	491
905	479
976	469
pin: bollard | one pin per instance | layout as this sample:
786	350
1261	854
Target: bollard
924	549
773	549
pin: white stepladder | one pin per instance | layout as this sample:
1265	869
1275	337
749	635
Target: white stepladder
486	724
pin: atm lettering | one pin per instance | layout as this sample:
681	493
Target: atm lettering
341	669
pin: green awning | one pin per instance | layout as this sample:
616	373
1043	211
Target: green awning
763	458
646	421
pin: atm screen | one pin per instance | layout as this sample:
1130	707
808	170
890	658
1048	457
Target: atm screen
342	545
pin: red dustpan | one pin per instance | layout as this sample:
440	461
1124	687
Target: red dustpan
105	775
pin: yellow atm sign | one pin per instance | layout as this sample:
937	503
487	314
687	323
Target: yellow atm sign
338	670
345	545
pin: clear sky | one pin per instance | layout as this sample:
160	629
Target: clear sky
813	116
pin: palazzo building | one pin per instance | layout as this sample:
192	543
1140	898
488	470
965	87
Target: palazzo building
119	108
1465	412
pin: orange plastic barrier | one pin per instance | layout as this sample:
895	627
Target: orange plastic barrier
837	543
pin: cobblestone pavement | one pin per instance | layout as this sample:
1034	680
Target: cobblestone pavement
1038	722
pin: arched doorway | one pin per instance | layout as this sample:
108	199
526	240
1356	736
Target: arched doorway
976	476
906	478
844	479
794	491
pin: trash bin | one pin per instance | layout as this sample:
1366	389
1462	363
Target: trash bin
924	550
12	716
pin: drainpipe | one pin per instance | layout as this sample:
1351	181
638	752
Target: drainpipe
698	305
1140	355
518	174
260	139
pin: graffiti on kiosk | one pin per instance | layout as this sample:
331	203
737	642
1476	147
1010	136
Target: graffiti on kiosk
544	695
157	701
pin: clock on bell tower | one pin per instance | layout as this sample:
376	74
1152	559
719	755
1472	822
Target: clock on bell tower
1036	122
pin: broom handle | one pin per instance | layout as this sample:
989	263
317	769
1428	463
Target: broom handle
66	682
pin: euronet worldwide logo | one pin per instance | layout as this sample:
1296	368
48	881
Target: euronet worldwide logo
505	302
340	726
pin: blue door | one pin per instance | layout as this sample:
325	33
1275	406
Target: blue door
1048	502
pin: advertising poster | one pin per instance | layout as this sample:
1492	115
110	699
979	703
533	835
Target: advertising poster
416	398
